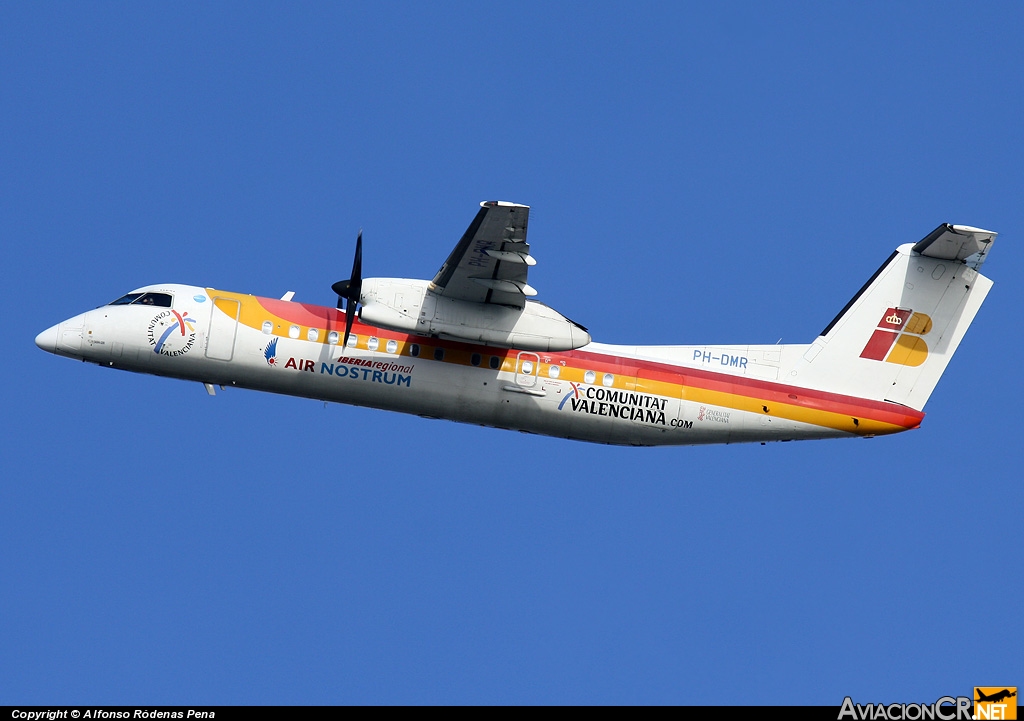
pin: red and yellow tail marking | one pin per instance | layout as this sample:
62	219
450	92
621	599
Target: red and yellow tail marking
900	330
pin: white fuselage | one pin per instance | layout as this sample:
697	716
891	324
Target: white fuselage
676	395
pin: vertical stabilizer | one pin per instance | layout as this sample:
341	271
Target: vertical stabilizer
894	339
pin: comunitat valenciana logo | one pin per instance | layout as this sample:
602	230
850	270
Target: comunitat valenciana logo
989	702
172	333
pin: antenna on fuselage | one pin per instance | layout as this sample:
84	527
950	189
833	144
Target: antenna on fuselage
349	290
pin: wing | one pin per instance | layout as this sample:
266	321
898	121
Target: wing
489	264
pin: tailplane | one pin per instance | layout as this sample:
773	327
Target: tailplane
894	339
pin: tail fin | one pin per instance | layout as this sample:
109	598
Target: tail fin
894	339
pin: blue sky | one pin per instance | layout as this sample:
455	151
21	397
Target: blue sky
697	174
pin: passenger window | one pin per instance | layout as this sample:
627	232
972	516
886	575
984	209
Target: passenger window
589	377
528	368
312	334
414	350
608	379
353	340
475	359
372	343
439	354
392	346
553	371
495	362
293	331
332	337
268	327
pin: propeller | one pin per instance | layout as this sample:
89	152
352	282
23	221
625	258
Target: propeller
350	289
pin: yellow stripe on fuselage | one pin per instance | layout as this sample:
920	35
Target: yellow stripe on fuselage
252	315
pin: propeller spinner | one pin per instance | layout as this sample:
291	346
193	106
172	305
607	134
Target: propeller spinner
350	289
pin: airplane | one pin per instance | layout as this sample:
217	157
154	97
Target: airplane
473	346
995	697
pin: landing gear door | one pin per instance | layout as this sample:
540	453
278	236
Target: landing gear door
220	341
527	365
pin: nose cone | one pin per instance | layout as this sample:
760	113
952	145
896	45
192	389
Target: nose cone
47	340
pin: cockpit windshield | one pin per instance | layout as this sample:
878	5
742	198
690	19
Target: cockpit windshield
161	300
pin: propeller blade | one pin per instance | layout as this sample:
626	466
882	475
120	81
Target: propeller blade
356	279
350	290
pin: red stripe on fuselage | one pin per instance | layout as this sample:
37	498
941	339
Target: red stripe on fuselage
321	316
760	389
316	316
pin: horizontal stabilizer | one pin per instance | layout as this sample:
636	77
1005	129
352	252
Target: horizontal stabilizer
956	242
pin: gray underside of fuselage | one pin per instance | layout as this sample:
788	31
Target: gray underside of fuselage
480	396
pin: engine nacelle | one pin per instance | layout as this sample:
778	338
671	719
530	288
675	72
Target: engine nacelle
384	316
409	306
535	327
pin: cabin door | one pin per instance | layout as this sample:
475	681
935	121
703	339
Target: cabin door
220	343
527	365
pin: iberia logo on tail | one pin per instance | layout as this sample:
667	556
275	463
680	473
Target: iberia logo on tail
897	339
